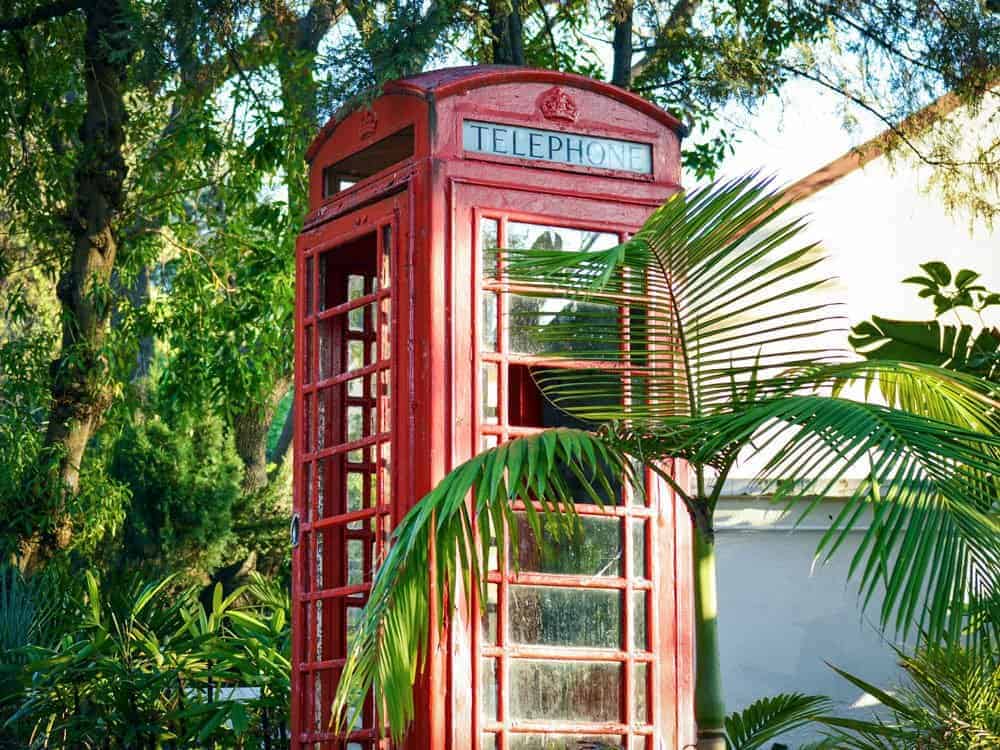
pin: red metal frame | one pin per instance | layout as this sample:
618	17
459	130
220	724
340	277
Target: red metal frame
434	200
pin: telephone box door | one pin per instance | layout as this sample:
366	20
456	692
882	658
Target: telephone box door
346	332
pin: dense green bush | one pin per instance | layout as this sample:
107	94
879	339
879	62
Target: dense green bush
951	701
144	665
184	481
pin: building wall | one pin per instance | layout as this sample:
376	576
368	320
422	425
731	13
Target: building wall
781	618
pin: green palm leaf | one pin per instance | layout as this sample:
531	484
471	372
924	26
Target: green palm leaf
714	308
768	718
389	644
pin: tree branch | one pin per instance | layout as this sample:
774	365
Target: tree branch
41	14
680	17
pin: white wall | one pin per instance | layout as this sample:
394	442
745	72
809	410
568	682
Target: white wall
780	620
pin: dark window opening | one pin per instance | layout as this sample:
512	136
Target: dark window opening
371	160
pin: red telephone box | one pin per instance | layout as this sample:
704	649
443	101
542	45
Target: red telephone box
406	365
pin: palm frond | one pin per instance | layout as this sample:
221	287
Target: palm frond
713	308
929	493
550	469
768	718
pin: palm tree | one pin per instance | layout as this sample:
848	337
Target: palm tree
729	352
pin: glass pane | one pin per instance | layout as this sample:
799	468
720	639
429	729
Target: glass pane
327	366
490	615
353	620
386	255
565	691
324	404
488	741
639	549
488	322
355	562
640	743
383	333
355	355
360	318
541	237
528	314
355	494
488	233
307	362
355	286
640	691
546	615
577	321
309	286
490	392
563	742
488	689
596	551
640	638
356	388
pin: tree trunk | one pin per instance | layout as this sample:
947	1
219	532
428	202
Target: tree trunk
250	429
709	704
622	12
508	34
81	391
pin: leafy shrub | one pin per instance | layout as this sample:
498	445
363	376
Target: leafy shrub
951	701
141	666
184	480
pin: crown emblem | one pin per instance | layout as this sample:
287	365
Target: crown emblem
369	122
556	104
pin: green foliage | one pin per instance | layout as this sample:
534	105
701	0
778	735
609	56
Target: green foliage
184	482
728	352
143	665
768	718
962	347
951	701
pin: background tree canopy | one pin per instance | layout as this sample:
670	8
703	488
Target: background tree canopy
152	183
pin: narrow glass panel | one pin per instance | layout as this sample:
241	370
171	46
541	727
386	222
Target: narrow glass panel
640	638
309	286
307	490
323	407
308	418
490	615
355	562
640	743
307	355
564	691
356	388
386	256
640	693
323	302
488	689
639	549
490	392
596	551
488	741
551	616
488	441
328	356
355	287
355	423
322	472
488	233
563	742
384	332
355	494
355	355
353	620
488	322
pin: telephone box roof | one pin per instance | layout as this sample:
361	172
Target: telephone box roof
440	84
